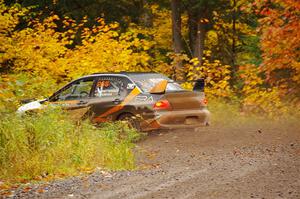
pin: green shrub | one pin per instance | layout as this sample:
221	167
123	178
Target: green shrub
49	143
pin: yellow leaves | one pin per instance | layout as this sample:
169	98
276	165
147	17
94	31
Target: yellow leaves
136	42
266	101
70	31
212	38
114	25
101	21
215	13
194	61
41	50
106	29
204	20
106	53
263	101
154	7
216	76
55	17
187	85
190	74
9	18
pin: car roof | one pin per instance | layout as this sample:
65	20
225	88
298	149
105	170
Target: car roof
119	73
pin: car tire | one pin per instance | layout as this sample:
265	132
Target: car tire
89	115
132	121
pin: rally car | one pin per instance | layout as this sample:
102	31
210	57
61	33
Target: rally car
148	101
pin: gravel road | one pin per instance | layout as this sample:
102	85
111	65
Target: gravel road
238	161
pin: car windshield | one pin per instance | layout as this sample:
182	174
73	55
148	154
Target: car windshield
148	80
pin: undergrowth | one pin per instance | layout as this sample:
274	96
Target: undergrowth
226	113
48	143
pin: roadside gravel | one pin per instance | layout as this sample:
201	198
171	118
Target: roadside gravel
248	161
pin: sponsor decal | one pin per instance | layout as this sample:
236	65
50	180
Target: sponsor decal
119	107
144	98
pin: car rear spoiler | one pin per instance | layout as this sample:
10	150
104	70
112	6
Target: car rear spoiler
198	86
162	85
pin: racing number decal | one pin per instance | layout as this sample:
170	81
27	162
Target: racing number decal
104	83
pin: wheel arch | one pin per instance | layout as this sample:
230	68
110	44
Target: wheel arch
123	113
128	109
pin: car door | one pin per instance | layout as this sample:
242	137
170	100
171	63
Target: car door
108	95
75	97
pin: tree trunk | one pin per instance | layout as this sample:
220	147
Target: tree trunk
192	31
199	43
146	18
233	47
197	33
176	26
233	34
176	34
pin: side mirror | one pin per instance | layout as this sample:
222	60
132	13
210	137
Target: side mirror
199	85
159	88
130	86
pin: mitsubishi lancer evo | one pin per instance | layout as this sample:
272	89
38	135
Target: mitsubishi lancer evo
147	101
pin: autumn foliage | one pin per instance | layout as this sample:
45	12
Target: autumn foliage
39	52
280	43
248	52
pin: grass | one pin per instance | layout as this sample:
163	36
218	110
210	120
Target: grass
49	143
229	115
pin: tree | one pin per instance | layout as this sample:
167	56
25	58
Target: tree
176	25
176	31
146	15
199	18
280	43
122	11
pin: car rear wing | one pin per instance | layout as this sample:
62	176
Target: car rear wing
162	85
199	84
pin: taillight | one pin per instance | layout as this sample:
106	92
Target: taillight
162	105
204	102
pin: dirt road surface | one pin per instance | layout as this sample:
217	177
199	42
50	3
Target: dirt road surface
248	161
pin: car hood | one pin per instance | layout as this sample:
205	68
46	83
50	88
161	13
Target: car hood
30	106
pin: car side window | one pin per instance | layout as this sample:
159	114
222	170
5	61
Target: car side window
77	90
111	87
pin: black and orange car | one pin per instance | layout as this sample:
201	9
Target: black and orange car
147	101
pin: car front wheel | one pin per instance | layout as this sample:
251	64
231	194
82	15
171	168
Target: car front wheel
131	120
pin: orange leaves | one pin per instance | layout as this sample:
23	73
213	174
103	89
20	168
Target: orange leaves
280	42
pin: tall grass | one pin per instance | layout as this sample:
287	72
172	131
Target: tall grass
229	114
49	143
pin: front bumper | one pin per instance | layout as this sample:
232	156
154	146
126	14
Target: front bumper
177	119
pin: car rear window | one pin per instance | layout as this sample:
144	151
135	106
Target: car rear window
148	81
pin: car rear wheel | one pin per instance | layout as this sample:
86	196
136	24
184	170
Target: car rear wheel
131	120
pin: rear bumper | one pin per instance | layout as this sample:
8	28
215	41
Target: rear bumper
178	119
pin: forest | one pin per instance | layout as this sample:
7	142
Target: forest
248	52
